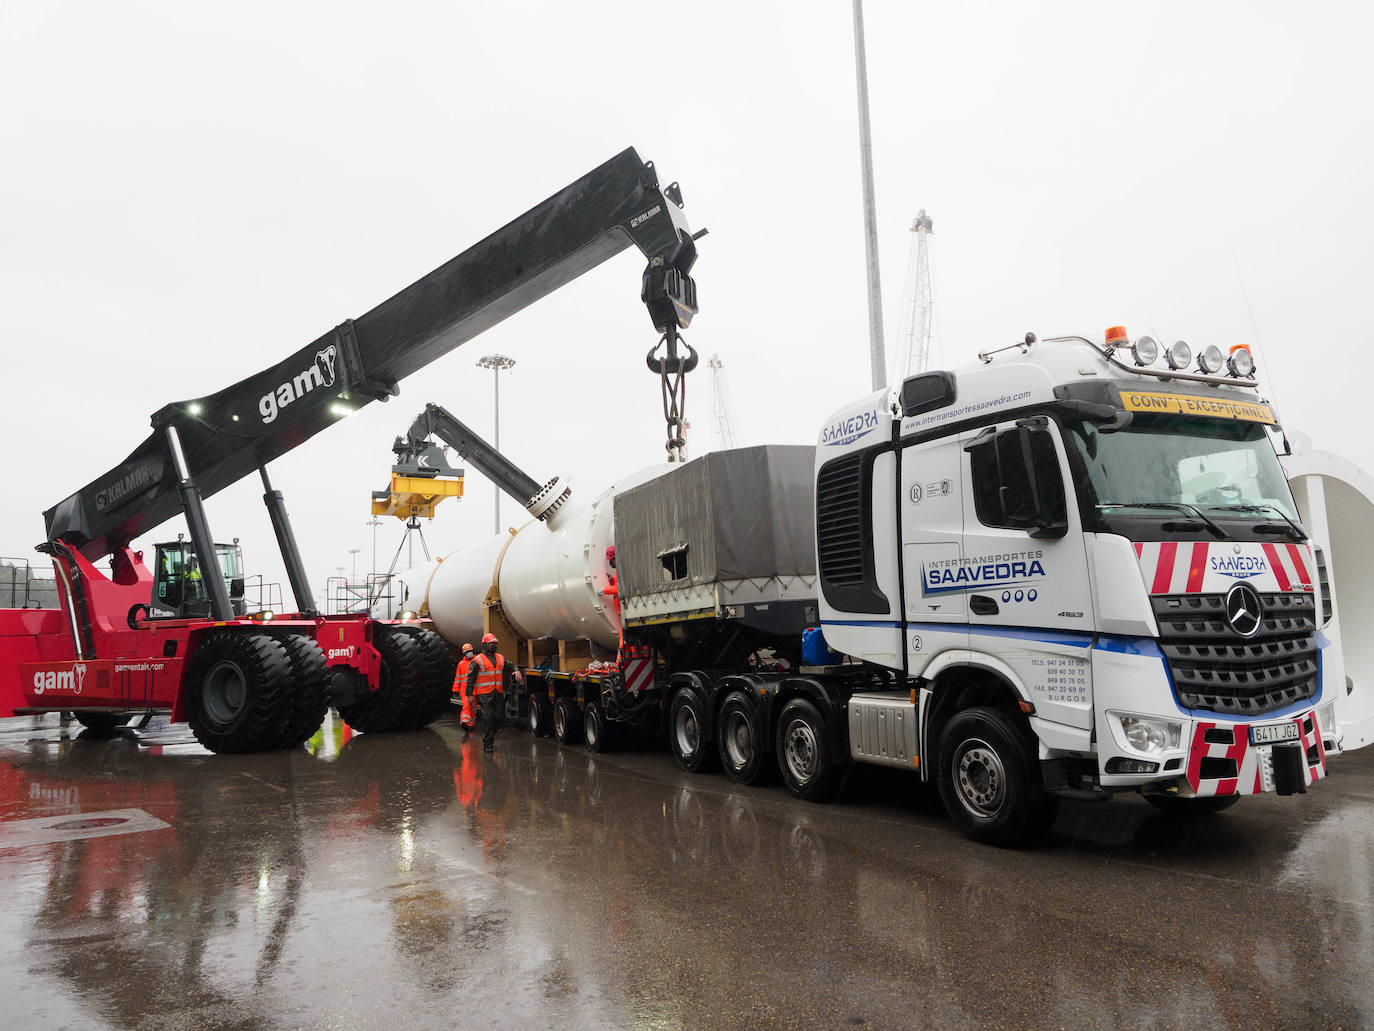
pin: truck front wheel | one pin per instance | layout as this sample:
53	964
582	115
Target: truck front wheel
237	699
990	781
804	752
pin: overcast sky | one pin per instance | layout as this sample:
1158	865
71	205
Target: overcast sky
192	192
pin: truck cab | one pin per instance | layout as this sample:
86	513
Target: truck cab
1089	567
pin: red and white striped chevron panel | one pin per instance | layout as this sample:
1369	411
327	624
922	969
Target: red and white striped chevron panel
1211	567
639	675
1249	759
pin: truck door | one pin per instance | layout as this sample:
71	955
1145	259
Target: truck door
1024	571
931	502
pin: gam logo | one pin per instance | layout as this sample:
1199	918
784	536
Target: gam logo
63	680
321	374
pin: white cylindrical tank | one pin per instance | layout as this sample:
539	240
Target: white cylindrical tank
1336	501
552	576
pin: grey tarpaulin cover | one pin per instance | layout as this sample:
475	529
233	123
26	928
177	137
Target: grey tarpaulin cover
748	513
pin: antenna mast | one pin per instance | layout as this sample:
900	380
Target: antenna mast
725	431
920	308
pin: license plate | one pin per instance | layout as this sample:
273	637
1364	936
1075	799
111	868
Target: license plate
1268	733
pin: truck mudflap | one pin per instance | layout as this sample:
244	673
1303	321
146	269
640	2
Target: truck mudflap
1235	758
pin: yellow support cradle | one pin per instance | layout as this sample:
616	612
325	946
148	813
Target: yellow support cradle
415	496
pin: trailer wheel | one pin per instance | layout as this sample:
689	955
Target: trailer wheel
1185	808
309	680
804	752
236	694
565	721
687	731
395	705
595	729
740	755
537	716
990	781
102	723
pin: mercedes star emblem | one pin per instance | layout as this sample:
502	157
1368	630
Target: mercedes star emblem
1243	609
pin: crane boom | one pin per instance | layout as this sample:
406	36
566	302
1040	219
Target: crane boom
222	437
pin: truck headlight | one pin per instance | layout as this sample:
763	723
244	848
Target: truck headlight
1151	736
1326	719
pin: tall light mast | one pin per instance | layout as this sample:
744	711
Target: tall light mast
920	308
725	431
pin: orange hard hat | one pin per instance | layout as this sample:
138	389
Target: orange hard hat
488	638
469	648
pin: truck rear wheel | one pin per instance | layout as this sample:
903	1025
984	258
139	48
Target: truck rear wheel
740	756
309	679
804	752
236	692
687	731
990	781
566	721
396	703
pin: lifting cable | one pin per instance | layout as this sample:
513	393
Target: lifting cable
672	371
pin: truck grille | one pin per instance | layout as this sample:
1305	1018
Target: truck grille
1215	668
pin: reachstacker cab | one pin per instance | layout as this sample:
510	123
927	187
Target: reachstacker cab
179	587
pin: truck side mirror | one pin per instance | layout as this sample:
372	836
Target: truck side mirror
1029	491
236	587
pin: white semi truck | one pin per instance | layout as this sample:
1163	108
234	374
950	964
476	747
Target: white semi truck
1072	570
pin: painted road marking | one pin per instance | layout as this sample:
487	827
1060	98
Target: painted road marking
72	826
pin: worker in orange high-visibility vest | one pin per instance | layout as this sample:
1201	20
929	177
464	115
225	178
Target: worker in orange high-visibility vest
460	687
488	677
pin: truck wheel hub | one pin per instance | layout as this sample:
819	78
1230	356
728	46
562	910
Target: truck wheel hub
980	780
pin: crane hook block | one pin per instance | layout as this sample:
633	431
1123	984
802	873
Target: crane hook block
670	295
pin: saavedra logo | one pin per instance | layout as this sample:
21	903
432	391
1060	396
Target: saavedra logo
1238	566
320	374
846	431
944	578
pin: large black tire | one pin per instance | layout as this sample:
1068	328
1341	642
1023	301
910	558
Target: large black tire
539	716
102	724
309	682
803	749
687	731
989	779
440	668
397	702
236	691
737	743
1192	808
596	730
567	722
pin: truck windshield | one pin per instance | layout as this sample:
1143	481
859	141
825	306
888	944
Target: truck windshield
1214	465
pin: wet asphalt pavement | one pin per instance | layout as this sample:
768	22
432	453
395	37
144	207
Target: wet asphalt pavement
408	881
